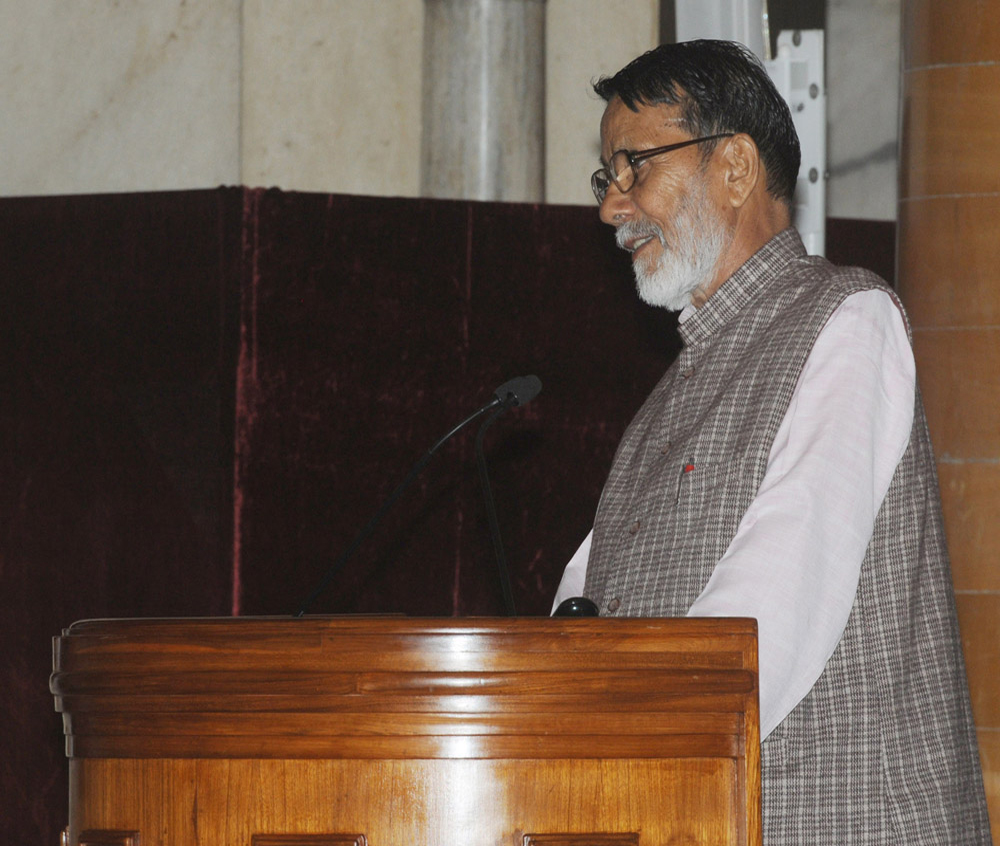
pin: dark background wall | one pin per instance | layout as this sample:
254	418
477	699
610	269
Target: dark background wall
378	325
203	396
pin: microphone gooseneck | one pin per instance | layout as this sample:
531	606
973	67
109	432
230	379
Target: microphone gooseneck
491	512
517	391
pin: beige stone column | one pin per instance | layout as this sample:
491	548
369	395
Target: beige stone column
484	100
949	278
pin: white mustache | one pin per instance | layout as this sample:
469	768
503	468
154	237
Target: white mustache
633	229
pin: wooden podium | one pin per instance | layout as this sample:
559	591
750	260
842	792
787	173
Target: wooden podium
395	731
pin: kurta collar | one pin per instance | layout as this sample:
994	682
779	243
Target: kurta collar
753	276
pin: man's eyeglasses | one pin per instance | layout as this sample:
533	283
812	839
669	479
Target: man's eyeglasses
623	169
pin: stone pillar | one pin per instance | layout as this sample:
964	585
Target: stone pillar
484	100
949	278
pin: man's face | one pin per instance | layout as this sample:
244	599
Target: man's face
668	220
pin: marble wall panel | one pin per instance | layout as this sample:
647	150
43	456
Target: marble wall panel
862	73
317	95
324	95
331	95
586	40
101	96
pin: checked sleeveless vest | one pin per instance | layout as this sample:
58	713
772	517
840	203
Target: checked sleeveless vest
883	749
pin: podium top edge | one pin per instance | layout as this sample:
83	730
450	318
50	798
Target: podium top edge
400	624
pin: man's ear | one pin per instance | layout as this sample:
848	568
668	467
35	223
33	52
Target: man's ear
743	168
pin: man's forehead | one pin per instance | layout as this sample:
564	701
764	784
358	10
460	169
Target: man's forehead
620	123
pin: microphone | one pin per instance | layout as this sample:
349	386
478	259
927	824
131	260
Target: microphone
518	391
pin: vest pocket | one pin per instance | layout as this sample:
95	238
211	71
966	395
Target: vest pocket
700	483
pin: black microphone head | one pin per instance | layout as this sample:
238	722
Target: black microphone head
519	391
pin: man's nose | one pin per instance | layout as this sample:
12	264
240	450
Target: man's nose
616	207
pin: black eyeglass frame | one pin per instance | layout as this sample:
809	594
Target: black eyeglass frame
634	157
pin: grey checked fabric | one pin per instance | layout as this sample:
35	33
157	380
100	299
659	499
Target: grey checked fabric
883	749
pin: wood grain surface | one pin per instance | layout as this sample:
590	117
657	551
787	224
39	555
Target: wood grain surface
404	731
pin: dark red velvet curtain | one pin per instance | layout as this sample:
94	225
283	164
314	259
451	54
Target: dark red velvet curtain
205	394
370	328
117	336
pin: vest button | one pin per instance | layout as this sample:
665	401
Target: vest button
634	527
665	448
614	605
687	374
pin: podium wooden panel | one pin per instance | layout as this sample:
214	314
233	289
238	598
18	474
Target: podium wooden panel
404	732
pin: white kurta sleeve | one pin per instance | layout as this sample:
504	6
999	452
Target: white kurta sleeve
575	573
796	558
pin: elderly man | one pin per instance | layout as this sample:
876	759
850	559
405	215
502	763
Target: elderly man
781	469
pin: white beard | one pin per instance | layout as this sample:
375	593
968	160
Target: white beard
699	239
